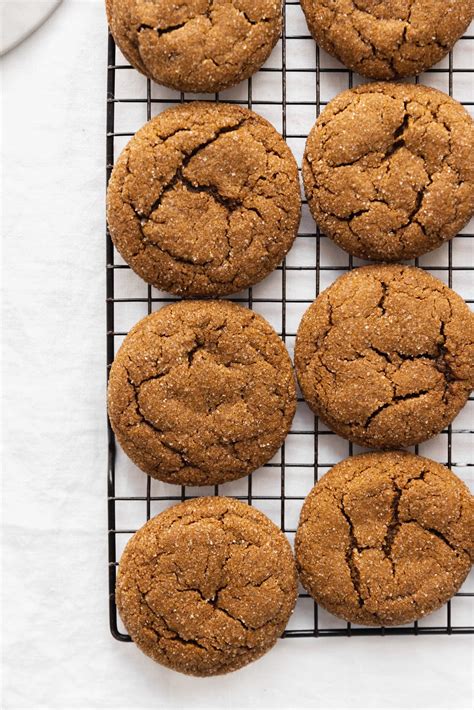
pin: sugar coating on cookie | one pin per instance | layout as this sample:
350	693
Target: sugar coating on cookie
387	39
386	355
196	45
201	392
207	586
204	200
385	538
388	170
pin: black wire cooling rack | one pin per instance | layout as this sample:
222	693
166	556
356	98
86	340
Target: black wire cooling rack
296	69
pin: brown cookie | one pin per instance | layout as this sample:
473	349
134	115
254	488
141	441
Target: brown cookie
207	586
201	392
386	355
196	45
385	538
386	39
204	200
388	170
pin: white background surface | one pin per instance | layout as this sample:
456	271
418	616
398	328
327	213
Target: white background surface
58	652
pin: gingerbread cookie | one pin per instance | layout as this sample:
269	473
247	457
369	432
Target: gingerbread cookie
207	586
388	170
204	200
387	39
196	45
386	355
201	392
385	538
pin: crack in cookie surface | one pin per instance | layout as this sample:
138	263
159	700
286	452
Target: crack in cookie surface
385	538
388	170
196	45
385	356
201	393
387	39
204	200
207	586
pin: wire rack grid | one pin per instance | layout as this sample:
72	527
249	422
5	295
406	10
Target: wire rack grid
290	90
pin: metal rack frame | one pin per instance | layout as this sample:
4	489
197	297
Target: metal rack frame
152	302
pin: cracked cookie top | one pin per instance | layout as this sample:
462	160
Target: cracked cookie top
196	45
201	392
204	200
386	355
385	538
207	586
387	39
388	170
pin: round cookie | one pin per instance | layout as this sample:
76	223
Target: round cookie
201	392
196	45
204	200
207	586
388	170
386	355
385	538
388	39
